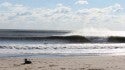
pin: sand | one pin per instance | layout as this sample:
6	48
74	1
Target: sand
66	63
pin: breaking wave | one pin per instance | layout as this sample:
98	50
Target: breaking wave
65	39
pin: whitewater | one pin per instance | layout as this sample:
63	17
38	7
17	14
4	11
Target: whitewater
62	49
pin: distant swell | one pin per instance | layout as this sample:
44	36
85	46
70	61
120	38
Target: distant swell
64	39
110	39
68	39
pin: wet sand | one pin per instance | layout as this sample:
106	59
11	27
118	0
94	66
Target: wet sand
66	63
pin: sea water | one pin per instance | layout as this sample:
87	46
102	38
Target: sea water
21	44
26	49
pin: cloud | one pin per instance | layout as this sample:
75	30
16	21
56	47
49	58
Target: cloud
59	18
81	2
6	4
107	10
100	15
62	9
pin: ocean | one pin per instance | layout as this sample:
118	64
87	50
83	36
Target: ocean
24	43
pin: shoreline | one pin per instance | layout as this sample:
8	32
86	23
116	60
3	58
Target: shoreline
59	55
65	63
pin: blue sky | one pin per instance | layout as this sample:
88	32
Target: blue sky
62	14
53	3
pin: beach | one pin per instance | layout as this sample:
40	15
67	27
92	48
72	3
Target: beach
65	63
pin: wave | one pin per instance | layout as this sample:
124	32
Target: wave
66	39
64	46
116	39
64	49
110	39
30	33
90	39
56	36
70	39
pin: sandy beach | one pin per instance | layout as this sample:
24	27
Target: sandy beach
66	63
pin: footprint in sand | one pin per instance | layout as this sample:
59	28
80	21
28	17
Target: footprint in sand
52	65
82	68
95	69
63	68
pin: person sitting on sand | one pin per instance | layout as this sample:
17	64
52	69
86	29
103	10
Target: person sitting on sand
27	61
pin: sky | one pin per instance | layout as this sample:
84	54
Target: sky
63	14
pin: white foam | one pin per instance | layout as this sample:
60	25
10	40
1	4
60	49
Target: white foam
67	49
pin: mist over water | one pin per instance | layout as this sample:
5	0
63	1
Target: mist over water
98	32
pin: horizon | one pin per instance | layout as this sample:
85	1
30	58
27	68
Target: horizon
87	33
